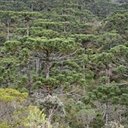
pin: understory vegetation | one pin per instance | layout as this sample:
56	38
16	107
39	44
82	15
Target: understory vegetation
63	64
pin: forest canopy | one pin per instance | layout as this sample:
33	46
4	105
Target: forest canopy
63	63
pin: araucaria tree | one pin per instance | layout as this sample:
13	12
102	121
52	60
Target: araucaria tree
64	63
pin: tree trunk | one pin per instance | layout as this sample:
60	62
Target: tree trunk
37	66
106	114
27	25
47	65
32	6
29	84
47	70
87	125
8	31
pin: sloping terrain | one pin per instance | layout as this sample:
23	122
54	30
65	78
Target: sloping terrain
70	57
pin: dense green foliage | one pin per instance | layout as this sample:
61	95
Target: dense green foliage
64	63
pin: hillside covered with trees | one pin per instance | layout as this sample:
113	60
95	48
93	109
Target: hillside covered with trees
63	63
